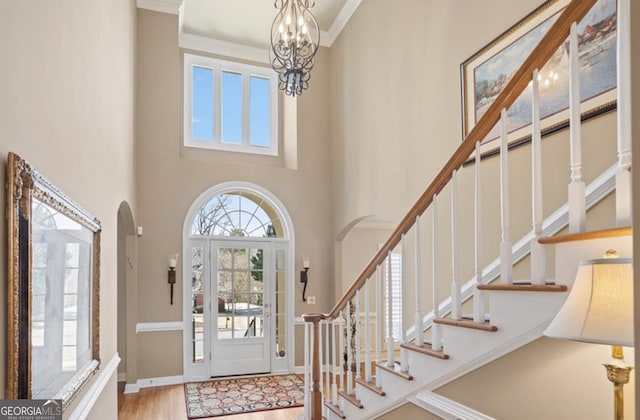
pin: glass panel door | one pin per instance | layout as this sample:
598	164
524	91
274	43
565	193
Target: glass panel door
240	285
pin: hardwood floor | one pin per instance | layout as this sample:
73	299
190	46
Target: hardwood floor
167	402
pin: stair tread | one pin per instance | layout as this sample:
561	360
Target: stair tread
351	398
425	349
371	386
484	326
524	287
582	236
335	409
395	370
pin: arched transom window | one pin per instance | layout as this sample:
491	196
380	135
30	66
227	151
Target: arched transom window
237	214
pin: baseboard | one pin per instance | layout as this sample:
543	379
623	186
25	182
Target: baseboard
446	408
325	368
105	373
131	389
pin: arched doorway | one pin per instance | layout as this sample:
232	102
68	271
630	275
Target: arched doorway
127	293
238	271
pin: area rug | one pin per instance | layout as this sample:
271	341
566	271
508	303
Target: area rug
243	395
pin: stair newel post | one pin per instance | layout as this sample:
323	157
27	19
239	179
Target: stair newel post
316	392
367	339
478	296
390	355
538	258
436	333
307	373
456	301
357	327
347	349
418	280
379	325
577	206
337	367
404	354
506	266
623	177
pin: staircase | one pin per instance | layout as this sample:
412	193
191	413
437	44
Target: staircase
389	367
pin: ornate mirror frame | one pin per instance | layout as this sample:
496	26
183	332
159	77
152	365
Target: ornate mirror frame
78	319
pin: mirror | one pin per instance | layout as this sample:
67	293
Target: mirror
54	266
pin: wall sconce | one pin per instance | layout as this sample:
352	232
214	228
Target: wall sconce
303	276
173	260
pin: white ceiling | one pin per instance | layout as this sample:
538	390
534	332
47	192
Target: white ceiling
242	28
246	22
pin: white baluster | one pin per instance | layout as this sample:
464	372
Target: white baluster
456	300
367	327
320	355
390	355
342	348
404	353
436	333
418	280
379	325
478	296
349	353
358	334
328	364
577	208
307	373
506	267
337	367
623	177
538	258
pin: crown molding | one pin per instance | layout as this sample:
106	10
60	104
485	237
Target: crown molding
224	48
214	46
162	6
339	22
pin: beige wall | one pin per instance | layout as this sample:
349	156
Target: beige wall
551	379
408	411
170	178
66	105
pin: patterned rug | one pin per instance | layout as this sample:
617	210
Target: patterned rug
243	395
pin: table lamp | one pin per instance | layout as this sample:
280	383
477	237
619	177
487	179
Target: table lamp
599	309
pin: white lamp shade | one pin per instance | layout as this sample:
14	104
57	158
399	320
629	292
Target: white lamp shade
599	308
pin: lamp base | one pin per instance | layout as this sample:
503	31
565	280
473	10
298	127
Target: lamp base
619	376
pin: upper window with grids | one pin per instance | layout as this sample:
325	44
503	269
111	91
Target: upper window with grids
230	106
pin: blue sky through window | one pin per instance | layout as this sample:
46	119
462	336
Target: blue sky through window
202	108
259	126
231	108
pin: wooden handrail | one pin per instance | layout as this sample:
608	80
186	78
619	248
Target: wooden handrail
553	39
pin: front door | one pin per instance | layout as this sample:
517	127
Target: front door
240	307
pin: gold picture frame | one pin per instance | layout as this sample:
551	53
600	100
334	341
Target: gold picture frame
485	73
53	292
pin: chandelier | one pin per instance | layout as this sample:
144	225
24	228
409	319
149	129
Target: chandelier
295	38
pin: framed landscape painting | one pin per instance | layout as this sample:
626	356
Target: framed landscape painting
485	73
